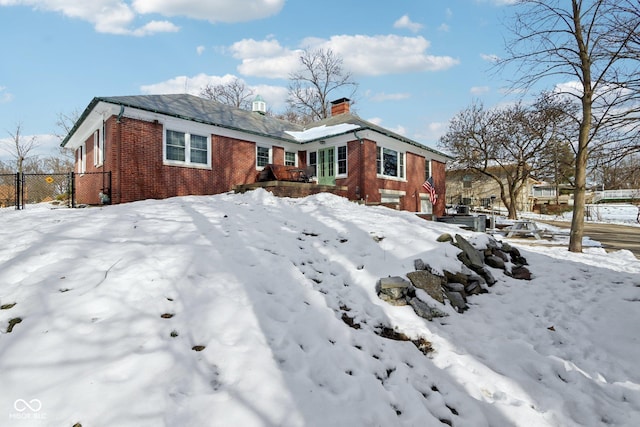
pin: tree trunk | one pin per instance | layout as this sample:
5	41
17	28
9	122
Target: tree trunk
577	222
582	154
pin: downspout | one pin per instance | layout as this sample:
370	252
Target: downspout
360	187
119	155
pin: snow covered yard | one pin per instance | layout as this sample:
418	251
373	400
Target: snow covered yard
230	310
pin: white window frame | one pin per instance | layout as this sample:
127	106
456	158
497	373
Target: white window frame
269	161
295	158
187	149
313	153
425	204
82	158
98	153
401	164
346	160
427	169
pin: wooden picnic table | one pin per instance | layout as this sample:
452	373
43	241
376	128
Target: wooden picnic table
524	227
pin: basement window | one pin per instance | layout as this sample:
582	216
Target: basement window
186	149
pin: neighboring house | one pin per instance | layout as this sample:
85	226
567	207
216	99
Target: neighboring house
159	146
472	188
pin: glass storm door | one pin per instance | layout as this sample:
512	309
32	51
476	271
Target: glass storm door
326	166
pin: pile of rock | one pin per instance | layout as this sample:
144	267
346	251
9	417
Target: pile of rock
473	277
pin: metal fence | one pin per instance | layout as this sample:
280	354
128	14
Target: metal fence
66	189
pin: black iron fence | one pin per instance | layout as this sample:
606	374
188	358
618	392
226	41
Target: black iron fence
65	189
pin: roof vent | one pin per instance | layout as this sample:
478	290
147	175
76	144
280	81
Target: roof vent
340	106
259	105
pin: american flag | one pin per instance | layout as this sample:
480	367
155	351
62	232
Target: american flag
428	185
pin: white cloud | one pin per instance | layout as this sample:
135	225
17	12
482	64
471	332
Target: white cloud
444	28
212	10
433	132
479	90
400	130
448	13
265	58
156	27
405	22
381	97
384	54
275	96
490	57
5	96
118	16
200	50
362	55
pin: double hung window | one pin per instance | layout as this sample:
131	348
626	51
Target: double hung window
186	148
290	158
342	160
263	156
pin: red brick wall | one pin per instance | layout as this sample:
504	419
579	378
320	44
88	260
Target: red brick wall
277	154
438	173
89	185
370	182
134	155
352	181
234	162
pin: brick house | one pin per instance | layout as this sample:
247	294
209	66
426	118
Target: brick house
159	146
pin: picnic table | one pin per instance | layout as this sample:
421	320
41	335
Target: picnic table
524	228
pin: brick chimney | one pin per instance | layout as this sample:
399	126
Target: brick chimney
340	106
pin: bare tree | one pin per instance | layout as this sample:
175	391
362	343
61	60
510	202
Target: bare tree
19	147
593	43
321	77
235	93
508	145
64	125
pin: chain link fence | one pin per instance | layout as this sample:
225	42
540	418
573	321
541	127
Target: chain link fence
65	189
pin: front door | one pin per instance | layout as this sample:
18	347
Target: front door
326	166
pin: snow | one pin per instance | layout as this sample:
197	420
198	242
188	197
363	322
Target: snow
263	283
322	131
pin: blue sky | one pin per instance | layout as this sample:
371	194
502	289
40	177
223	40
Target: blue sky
417	62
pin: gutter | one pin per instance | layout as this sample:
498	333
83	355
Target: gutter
359	189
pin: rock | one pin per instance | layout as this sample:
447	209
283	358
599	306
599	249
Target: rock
472	254
497	252
473	288
393	288
486	275
429	282
425	311
446	237
455	287
519	260
398	302
419	264
457	301
520	272
459	277
495	262
506	247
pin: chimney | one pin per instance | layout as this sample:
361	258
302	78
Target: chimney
340	106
